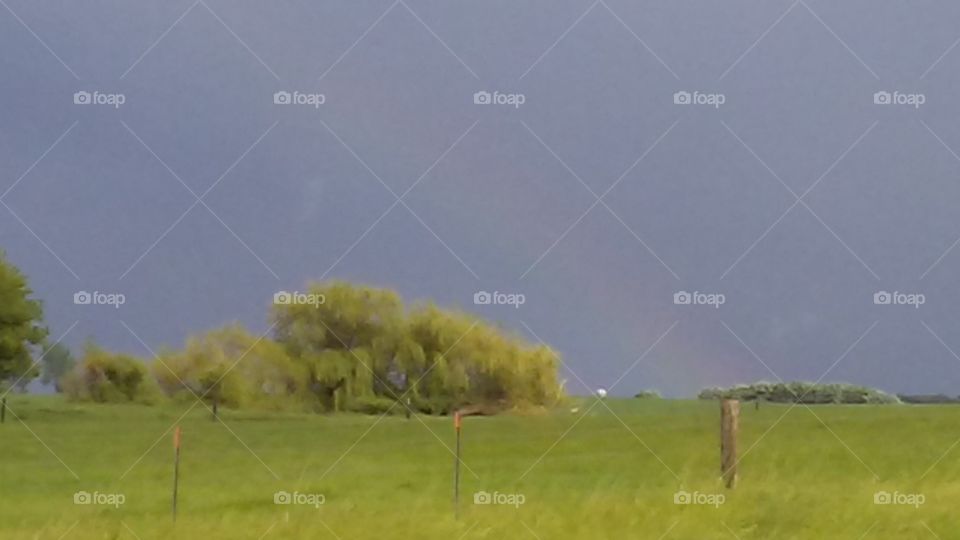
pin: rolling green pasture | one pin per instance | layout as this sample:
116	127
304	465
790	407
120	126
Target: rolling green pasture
598	473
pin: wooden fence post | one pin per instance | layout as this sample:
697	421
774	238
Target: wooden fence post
176	469
729	427
457	423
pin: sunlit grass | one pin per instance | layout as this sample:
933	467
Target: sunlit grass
392	477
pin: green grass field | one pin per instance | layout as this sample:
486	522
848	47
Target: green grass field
392	478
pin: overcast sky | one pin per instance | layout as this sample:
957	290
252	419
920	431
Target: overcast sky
781	187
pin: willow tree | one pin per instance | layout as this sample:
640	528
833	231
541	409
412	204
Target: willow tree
344	337
471	362
360	344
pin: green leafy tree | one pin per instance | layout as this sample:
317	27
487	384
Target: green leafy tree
21	330
57	361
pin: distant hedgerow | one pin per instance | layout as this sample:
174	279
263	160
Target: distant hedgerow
801	392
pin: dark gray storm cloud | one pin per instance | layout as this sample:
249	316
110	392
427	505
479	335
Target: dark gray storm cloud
815	166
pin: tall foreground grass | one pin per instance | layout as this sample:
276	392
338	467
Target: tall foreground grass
613	474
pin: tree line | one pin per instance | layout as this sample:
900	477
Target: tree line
337	347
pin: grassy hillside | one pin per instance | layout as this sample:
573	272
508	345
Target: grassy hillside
599	481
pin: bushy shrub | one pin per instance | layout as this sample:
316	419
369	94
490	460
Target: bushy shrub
714	392
374	405
105	377
433	406
648	394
